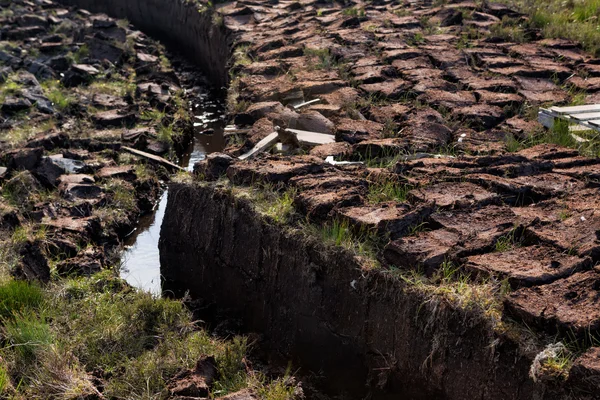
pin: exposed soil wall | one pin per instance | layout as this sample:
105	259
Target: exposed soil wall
178	21
317	306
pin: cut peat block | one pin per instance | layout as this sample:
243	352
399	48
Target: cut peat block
577	234
479	229
527	266
453	195
393	219
425	251
585	372
569	305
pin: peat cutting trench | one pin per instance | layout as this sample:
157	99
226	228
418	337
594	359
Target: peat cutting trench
384	209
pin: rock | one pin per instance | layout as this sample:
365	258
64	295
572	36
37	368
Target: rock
84	229
79	266
103	50
69	165
352	131
125	172
260	110
4	73
31	20
59	63
319	194
26	158
214	166
85	70
78	75
273	170
50	141
118	118
36	96
27	79
157	147
385	219
9	218
33	264
9	59
24	32
481	116
80	191
145	62
51	48
107	101
41	71
195	382
313	121
337	150
48	172
13	105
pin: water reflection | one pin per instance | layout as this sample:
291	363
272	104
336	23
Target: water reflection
141	259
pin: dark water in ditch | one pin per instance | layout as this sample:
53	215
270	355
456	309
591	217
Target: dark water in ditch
140	263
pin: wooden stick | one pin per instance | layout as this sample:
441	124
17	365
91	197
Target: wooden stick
153	157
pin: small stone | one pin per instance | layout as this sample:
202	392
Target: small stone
48	172
15	104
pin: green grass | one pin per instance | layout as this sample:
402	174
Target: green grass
115	87
58	96
4	380
508	242
19	190
561	135
321	58
155	116
81	53
130	340
26	130
381	192
354	12
281	208
19	297
509	30
574	19
338	232
9	88
28	335
483	299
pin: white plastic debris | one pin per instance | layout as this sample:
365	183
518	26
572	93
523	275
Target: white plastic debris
353	284
330	160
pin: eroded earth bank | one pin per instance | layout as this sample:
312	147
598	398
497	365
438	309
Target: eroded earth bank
449	249
95	119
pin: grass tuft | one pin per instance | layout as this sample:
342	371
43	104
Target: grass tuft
19	297
574	19
382	192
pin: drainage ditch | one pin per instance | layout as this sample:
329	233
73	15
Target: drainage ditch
140	262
